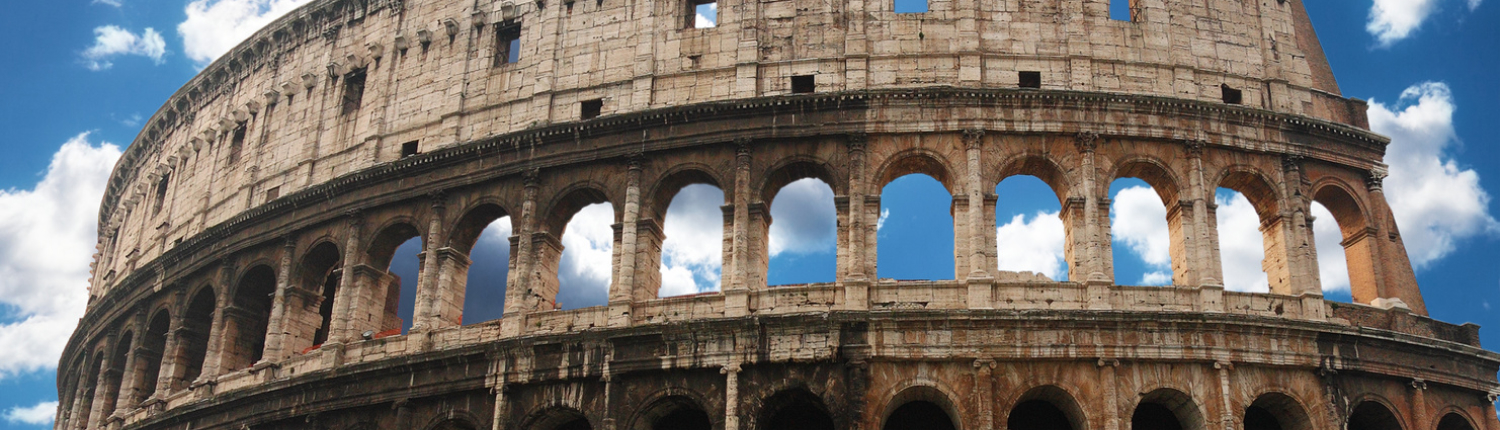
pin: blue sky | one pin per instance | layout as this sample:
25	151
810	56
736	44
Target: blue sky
79	76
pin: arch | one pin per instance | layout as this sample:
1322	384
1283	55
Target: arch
678	177
557	418
153	352
320	273
1273	256
383	246
792	169
250	316
466	231
1373	414
915	161
1154	172
1166	185
921	407
454	420
1276	411
1256	187
1455	421
197	320
1041	167
114	378
1167	409
571	200
794	409
1360	250
673	412
89	394
1046	407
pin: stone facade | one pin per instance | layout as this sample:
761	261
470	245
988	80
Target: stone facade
242	279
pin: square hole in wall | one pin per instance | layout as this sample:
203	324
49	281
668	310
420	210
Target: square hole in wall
909	6
1120	10
508	42
702	14
408	149
1030	79
589	109
273	193
1231	95
802	84
354	90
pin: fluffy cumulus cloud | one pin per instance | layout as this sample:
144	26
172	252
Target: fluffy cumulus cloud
1391	21
1241	244
213	27
693	252
1436	201
707	15
803	219
40	414
1032	244
1139	221
588	246
46	244
111	41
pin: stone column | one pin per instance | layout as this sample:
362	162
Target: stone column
731	396
451	287
620	298
276	332
857	281
1289	238
984	392
1108	369
172	366
1226	414
737	292
214	356
518	286
1419	410
979	279
427	290
1392	264
1096	272
338	329
135	366
1209	268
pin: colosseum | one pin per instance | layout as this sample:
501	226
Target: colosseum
243	279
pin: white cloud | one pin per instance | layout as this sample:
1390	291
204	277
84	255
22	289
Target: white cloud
1241	244
1139	219
1156	278
46	243
39	414
803	219
115	3
707	15
1032	246
585	270
213	27
1390	21
1333	269
694	227
1436	202
111	41
885	213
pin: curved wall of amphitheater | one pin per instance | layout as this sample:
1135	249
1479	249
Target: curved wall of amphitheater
245	239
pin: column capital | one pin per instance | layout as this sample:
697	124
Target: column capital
1291	162
634	161
1086	141
356	217
1375	182
856	141
531	178
1194	147
973	138
439	199
742	147
1418	384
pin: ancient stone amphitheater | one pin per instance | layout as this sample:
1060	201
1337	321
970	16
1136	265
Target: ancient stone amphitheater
246	236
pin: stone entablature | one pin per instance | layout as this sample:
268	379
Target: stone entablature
429	76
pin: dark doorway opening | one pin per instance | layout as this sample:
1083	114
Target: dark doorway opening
1038	415
919	415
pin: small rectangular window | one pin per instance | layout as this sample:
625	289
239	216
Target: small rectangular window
590	108
354	90
1030	79
161	193
702	13
910	6
273	193
802	84
408	149
1120	10
507	43
235	143
1231	95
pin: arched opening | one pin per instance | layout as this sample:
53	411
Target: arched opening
1030	232
1166	409
674	413
795	409
1371	415
1454	421
89	397
560	418
193	337
1147	236
686	256
1252	252
800	230
455	424
115	376
920	408
153	354
577	258
1276	411
250	314
320	273
1354	238
477	284
916	219
1046	408
390	307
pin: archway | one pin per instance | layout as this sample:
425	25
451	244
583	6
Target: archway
1046	408
1354	238
689	204
245	326
153	353
794	409
1166	409
90	396
576	261
1276	411
390	307
674	413
478	284
920	408
321	271
193	338
114	378
799	230
1253	251
1454	421
1372	415
1148	236
560	418
1030	232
